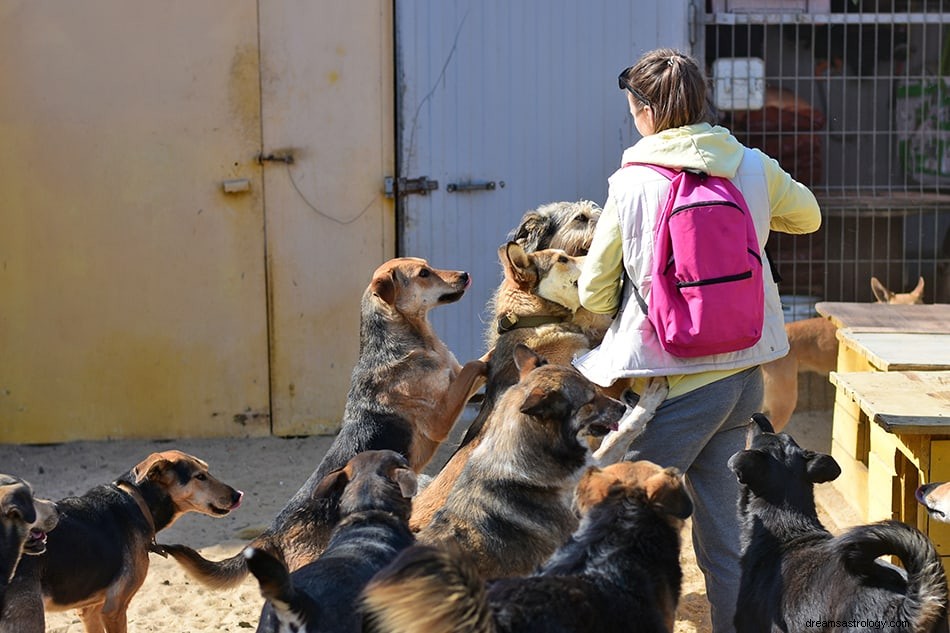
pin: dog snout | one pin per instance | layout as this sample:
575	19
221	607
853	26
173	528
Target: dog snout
236	497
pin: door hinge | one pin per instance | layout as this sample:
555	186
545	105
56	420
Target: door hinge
404	186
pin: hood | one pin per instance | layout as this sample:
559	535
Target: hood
704	147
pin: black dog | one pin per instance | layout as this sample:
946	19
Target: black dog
619	572
375	490
794	572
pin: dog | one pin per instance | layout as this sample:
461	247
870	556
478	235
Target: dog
568	226
935	497
509	506
536	305
407	391
375	489
97	557
794	571
883	295
619	572
24	522
813	347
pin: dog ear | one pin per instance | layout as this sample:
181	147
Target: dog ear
918	292
407	480
666	491
515	261
591	489
18	504
529	230
271	574
332	485
761	424
821	467
384	287
882	294
546	405
527	360
152	468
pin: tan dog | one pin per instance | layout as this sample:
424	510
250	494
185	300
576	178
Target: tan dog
24	522
883	295
535	305
619	573
97	557
935	497
406	393
813	346
510	504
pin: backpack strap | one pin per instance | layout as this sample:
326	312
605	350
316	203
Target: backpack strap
669	173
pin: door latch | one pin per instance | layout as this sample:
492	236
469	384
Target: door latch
405	186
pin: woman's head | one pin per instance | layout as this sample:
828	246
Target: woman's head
671	84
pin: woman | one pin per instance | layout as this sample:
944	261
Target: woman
704	420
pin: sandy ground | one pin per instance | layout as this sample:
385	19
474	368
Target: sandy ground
269	470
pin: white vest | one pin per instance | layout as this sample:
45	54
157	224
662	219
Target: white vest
631	347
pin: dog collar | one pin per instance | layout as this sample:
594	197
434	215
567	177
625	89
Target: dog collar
511	321
133	492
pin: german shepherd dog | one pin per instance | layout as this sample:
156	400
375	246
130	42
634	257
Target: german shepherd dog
795	572
510	504
97	557
24	522
534	306
618	573
375	489
407	391
568	226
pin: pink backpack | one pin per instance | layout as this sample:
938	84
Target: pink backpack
707	295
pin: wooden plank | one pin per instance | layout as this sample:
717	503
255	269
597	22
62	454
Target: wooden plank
898	351
908	402
933	317
852	483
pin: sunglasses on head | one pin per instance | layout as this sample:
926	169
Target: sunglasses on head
625	85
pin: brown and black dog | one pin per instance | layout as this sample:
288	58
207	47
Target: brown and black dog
97	557
406	393
509	506
813	347
795	572
619	573
24	523
375	489
535	305
568	226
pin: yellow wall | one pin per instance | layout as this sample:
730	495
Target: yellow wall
137	299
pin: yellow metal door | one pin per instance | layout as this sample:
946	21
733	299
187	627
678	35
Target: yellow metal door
327	102
132	264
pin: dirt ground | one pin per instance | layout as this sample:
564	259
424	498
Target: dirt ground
269	471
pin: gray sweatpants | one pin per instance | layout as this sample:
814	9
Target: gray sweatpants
698	432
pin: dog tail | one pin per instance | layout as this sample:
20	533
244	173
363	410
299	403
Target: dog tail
926	599
223	574
427	589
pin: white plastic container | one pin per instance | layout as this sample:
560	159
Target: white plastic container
739	83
